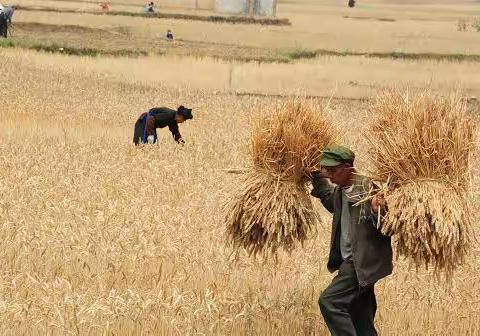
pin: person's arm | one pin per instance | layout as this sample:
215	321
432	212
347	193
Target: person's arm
173	127
324	190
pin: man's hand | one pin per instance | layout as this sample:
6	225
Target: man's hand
378	202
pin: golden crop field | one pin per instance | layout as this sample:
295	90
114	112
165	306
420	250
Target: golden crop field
101	238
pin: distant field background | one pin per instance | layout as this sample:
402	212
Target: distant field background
99	237
327	25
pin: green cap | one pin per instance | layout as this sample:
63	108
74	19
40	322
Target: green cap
336	155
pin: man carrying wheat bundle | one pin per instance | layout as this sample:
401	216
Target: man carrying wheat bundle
360	253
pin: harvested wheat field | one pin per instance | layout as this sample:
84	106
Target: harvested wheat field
99	237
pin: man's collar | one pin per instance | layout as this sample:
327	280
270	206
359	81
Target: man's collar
357	191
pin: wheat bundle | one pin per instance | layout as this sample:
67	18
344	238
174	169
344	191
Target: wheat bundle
272	209
270	213
422	147
289	142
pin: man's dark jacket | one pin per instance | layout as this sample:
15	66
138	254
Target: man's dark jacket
371	251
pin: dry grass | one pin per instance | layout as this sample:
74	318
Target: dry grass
352	77
422	145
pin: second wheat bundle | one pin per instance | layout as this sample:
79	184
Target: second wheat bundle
422	147
273	209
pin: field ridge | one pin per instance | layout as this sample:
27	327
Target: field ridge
175	16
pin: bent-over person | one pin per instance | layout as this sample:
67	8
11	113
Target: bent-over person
146	126
360	253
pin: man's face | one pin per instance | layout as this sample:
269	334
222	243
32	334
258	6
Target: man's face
340	175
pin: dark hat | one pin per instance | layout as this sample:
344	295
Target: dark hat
185	112
336	155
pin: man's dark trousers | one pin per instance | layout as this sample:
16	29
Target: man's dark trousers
348	309
3	25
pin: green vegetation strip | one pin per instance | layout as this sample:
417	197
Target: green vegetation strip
305	53
7	43
281	57
368	18
159	15
56	48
